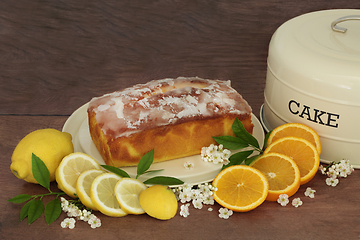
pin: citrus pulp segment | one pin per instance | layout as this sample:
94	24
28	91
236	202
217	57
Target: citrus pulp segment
127	192
301	151
281	172
103	195
240	188
296	130
83	186
70	168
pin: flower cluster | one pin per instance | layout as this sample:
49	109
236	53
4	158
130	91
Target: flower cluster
199	195
73	212
215	154
335	170
283	199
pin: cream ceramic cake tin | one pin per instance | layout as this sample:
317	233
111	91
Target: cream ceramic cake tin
313	77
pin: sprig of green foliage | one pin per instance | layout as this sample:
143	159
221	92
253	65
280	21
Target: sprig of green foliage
34	207
242	139
142	168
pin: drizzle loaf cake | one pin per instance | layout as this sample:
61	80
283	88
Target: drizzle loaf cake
175	117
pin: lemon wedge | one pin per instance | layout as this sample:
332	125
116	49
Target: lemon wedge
103	195
70	168
127	192
83	186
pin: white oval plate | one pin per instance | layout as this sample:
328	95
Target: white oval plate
77	126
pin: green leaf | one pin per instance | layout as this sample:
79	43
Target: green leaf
251	159
230	142
266	140
52	211
152	171
35	210
20	198
238	158
40	172
240	132
163	180
25	209
145	163
116	170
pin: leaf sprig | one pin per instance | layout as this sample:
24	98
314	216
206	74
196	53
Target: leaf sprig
142	168
242	139
35	207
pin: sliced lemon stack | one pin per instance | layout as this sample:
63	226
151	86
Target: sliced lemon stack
103	195
127	192
70	169
80	175
83	186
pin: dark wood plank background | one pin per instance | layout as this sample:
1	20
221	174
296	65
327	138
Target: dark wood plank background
56	55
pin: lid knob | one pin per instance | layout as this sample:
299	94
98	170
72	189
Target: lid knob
342	19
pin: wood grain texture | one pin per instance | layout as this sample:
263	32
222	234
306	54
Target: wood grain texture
56	55
65	52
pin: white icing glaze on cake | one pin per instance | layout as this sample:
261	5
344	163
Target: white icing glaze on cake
163	102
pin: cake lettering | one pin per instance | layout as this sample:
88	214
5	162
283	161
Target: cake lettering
313	114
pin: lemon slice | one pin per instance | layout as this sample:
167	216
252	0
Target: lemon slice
83	186
127	192
103	195
70	168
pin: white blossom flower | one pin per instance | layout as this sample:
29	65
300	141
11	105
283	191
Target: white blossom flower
197	203
210	209
187	186
189	165
73	211
310	192
296	202
184	210
215	154
322	169
68	223
94	221
344	168
85	215
335	170
283	199
225	213
185	196
195	193
209	199
199	195
332	181
332	173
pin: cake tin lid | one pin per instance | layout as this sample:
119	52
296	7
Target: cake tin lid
315	55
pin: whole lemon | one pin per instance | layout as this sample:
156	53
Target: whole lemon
159	202
50	145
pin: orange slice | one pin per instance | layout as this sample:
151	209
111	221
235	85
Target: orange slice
295	130
281	172
301	151
240	188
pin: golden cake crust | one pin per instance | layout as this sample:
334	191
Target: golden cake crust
184	137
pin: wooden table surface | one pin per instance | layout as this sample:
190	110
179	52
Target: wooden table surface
56	55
